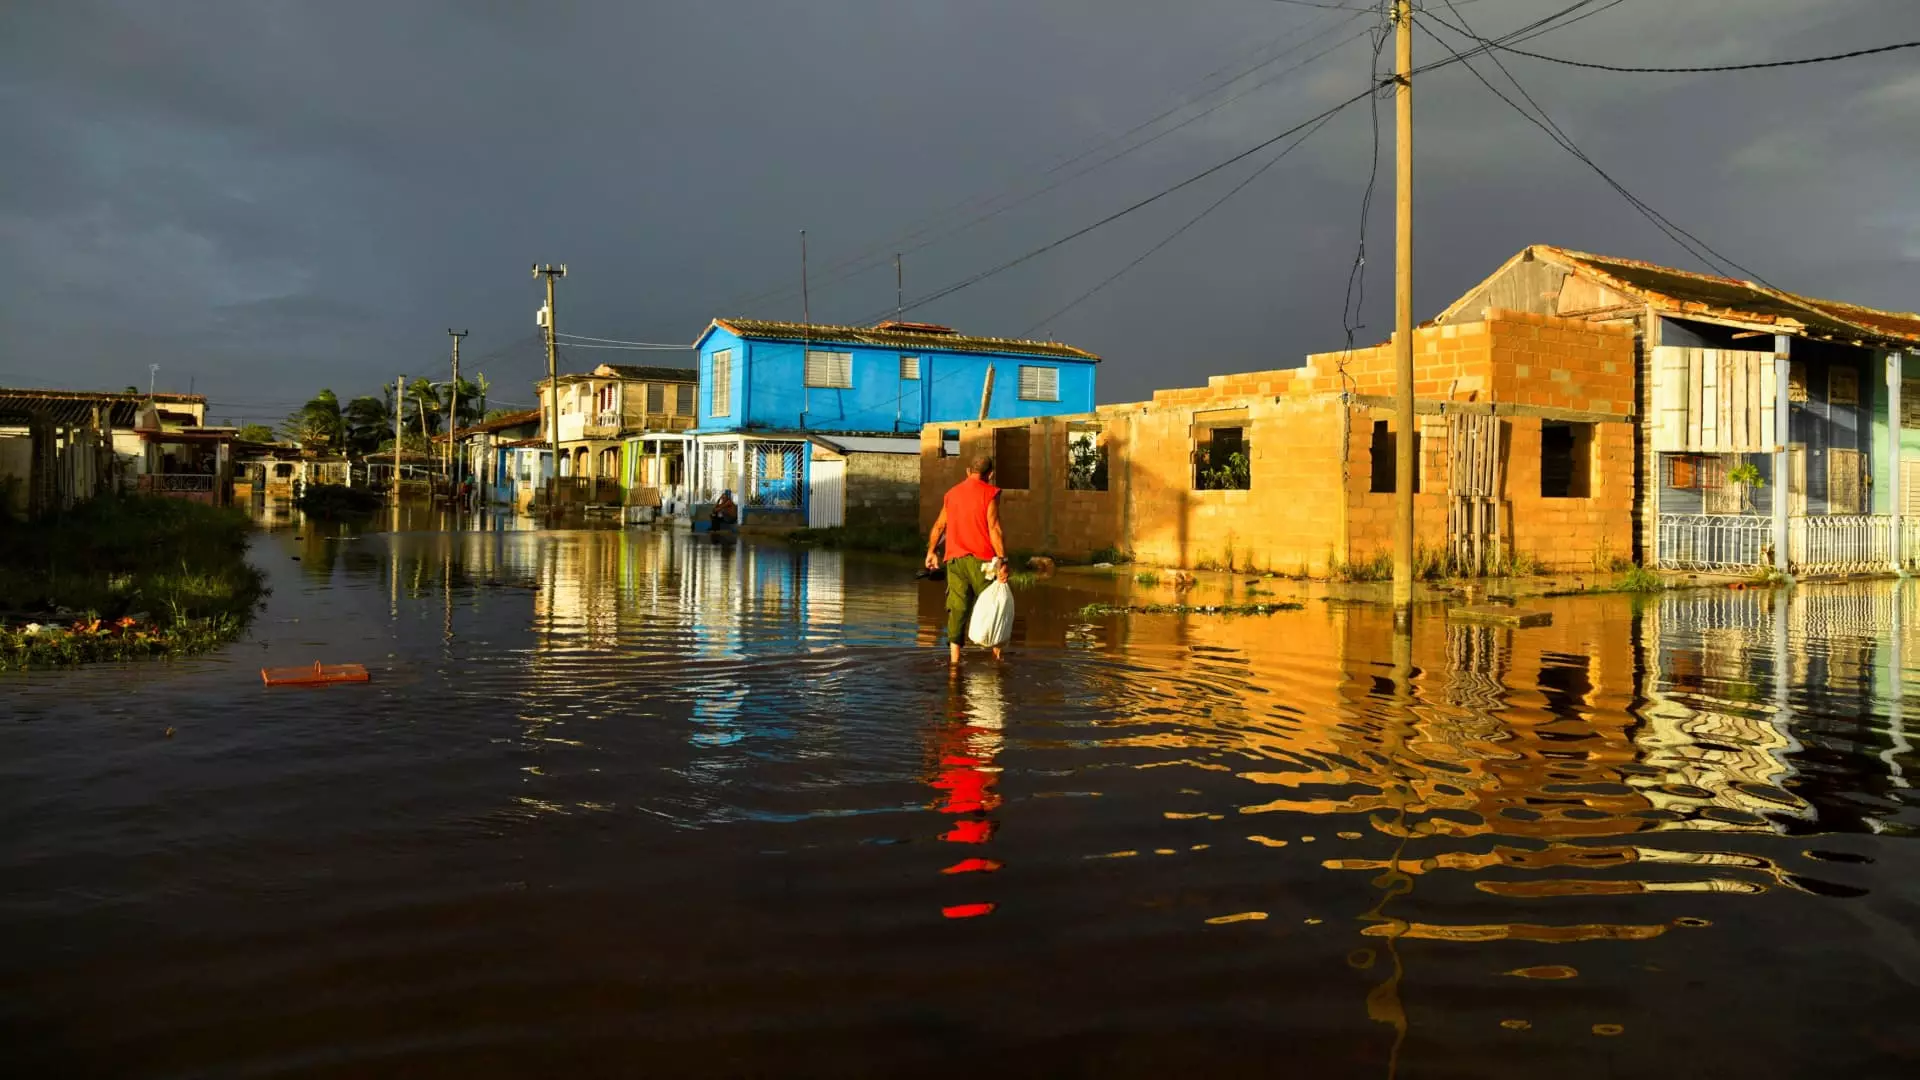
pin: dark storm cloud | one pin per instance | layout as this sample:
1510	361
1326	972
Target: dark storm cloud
270	197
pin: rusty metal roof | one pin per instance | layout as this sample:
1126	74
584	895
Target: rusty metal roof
76	406
897	336
1683	293
498	423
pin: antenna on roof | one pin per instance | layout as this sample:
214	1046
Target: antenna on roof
899	289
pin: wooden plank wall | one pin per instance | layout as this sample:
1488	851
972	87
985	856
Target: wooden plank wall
1712	401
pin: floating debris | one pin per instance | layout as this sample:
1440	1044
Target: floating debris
1095	611
1243	916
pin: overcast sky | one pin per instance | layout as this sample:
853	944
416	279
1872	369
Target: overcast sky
265	197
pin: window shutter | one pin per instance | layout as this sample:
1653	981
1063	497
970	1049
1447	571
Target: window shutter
1910	488
656	398
830	370
1039	383
909	367
721	390
683	399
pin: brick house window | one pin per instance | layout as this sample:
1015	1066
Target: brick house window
721	400
829	370
1086	459
1039	383
1222	457
1010	451
1566	460
656	398
1382	449
683	399
950	443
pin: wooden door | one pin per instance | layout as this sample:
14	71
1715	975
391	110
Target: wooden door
1846	482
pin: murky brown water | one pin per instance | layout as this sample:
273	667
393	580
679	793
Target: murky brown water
631	804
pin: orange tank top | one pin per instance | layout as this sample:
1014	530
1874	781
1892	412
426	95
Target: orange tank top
966	505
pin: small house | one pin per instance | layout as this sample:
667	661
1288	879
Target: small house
768	388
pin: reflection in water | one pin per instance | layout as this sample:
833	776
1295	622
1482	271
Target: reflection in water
965	745
678	791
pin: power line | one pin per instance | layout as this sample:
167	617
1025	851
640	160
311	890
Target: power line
620	341
1118	214
1717	67
628	348
1355	300
1540	25
865	260
1695	246
1190	223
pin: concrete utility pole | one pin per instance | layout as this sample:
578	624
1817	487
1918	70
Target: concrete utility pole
1403	461
399	408
453	409
553	383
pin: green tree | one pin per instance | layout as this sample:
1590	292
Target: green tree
318	422
256	433
369	423
423	401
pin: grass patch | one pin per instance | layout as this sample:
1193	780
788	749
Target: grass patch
124	576
887	539
1639	580
1095	611
1147	578
1111	555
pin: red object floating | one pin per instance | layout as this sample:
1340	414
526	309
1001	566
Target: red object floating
317	675
971	866
966	911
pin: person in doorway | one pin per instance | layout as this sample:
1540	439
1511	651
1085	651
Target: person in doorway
725	510
970	523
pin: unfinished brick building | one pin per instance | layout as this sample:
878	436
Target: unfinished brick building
1525	450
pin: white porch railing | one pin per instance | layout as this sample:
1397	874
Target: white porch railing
1712	542
1840	543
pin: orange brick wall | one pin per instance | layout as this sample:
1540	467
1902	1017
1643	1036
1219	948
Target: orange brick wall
1309	507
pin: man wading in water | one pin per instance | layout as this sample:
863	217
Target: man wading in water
970	522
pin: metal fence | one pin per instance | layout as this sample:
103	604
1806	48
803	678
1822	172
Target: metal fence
1840	543
174	483
776	475
1910	542
1732	542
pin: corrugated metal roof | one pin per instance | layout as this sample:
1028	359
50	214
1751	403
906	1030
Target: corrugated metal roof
650	374
897	338
869	444
76	406
1682	293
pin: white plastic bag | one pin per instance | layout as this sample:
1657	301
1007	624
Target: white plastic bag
992	623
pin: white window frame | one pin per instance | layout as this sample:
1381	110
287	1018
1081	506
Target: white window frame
910	369
720	384
836	372
1045	384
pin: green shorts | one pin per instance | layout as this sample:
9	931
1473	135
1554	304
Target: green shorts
966	580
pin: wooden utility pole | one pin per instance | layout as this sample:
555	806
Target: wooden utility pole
553	386
453	407
986	394
399	408
1403	463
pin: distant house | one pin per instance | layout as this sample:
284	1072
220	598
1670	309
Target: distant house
59	447
504	456
599	410
767	387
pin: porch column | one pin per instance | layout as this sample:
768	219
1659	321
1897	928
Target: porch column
1893	455
1782	349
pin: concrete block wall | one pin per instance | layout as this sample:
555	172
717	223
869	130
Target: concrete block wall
883	489
1309	506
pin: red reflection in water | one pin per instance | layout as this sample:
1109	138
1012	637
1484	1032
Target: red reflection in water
964	748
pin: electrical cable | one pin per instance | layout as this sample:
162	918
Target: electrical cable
918	240
1177	233
619	341
1698	248
1355	300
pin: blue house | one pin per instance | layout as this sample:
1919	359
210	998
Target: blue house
770	390
757	375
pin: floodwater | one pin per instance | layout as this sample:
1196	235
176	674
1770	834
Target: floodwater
634	804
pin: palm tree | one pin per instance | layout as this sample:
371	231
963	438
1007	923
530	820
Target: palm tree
369	421
426	405
318	421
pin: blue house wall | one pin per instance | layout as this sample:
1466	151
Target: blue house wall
769	390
